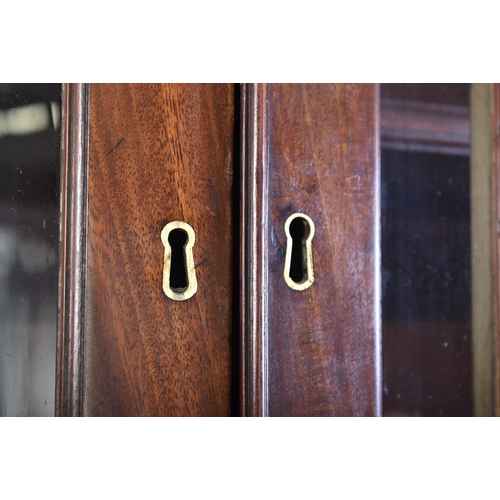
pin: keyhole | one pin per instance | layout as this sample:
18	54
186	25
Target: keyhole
299	229
299	274
178	270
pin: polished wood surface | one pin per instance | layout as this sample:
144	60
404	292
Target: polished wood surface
312	149
253	262
158	153
73	230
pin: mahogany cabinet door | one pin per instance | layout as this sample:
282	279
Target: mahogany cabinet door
138	157
311	150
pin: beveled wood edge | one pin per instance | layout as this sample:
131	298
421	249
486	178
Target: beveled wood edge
72	253
482	247
254	224
378	257
496	250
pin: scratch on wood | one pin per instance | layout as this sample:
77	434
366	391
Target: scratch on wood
115	146
357	177
202	262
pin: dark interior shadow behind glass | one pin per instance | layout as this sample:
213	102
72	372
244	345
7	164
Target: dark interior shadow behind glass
30	142
426	260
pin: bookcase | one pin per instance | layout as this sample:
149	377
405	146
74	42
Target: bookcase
249	249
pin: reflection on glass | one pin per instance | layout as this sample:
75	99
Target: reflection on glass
426	255
29	217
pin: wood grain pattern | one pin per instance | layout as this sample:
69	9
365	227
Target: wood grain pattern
158	153
315	152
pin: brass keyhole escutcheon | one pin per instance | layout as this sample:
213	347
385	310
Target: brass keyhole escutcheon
299	271
179	274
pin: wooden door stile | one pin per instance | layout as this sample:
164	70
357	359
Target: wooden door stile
312	150
496	247
254	251
156	154
72	250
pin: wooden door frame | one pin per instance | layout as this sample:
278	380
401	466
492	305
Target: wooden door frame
253	318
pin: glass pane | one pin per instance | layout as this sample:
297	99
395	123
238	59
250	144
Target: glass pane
426	252
30	137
